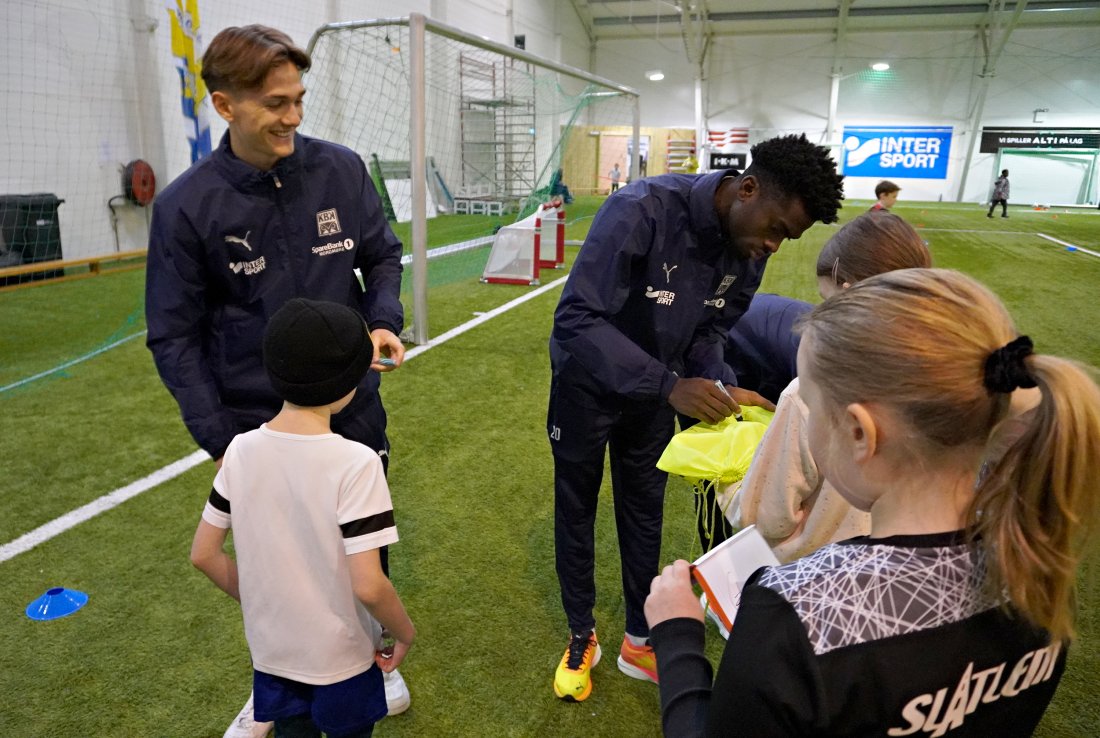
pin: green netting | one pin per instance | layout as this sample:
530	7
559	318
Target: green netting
504	133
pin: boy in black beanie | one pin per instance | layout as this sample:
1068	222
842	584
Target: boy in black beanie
296	494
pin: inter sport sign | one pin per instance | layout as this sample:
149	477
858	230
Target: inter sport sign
896	153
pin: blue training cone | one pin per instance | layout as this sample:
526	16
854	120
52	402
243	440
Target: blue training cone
56	603
1071	248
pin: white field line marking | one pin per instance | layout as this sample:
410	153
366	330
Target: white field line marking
978	207
975	230
1064	243
459	330
405	260
59	525
453	248
67	364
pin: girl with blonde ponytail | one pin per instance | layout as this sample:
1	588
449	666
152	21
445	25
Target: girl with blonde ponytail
1037	506
955	612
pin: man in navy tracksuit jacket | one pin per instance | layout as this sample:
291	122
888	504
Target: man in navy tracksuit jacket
270	215
668	266
230	244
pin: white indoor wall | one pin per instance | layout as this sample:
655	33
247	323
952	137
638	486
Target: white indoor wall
73	108
779	84
553	31
91	88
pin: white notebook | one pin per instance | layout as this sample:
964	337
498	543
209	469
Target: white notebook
723	570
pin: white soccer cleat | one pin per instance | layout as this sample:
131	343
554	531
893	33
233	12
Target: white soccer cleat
398	698
244	726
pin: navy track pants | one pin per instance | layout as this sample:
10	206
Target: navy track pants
580	428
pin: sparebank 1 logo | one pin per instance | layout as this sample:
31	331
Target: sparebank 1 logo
896	153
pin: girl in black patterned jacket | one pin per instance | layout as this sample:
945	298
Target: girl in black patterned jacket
954	614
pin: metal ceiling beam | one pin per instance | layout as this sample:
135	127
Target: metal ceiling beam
694	29
585	17
844	7
989	33
833	13
839	53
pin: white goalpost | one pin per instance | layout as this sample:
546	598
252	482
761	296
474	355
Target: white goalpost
456	130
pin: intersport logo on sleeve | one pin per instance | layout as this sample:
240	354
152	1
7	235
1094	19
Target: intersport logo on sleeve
897	153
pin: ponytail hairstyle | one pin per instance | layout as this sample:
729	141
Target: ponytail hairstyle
941	351
871	244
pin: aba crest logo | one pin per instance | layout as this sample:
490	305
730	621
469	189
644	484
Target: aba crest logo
328	222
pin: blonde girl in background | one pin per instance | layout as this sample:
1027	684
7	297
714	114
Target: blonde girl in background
784	493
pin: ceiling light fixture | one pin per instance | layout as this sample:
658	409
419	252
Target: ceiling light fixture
655	75
880	66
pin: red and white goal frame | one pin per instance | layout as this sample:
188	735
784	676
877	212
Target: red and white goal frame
518	250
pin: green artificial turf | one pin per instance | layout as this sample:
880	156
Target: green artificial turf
159	651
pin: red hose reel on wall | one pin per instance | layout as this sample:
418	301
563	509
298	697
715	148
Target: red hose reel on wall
139	184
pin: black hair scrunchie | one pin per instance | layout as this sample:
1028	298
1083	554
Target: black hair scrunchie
1004	368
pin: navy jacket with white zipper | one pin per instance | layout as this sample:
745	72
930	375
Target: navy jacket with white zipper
230	245
653	292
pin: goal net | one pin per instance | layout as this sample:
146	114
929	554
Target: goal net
485	133
520	250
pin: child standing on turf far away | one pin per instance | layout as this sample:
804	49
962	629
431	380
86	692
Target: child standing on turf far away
953	615
1001	188
886	194
309	510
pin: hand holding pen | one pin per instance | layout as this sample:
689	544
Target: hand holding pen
737	413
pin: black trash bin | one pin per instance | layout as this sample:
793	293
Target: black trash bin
29	233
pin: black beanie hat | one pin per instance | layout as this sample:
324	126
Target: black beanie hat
316	352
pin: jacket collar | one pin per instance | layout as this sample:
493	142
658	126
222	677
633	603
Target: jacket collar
704	217
247	177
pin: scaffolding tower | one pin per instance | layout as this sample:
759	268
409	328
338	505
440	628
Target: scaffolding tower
497	121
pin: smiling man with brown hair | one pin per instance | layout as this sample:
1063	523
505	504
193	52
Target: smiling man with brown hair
268	216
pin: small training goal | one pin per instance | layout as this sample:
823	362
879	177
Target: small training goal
520	250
